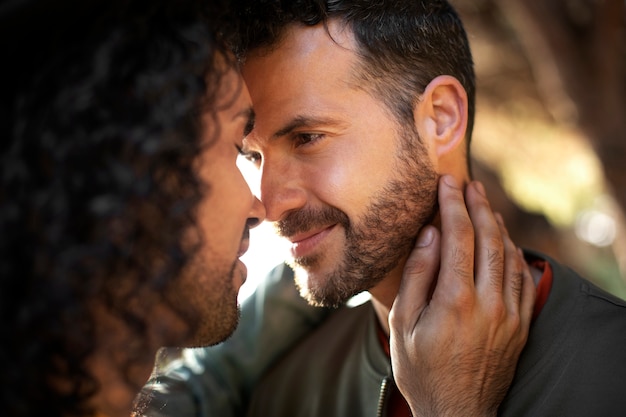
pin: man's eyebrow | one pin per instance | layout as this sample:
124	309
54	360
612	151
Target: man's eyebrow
302	121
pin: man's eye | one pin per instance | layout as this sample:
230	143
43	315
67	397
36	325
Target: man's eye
301	139
253	157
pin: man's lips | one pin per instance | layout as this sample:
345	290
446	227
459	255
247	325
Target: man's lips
245	243
243	247
306	242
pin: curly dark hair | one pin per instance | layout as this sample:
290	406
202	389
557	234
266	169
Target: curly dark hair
403	45
100	128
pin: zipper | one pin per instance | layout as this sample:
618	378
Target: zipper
383	397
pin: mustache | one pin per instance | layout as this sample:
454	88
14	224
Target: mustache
306	219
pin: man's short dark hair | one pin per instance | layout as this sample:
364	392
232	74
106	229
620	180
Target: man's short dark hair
403	44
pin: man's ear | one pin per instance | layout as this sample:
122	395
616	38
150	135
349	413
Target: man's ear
441	115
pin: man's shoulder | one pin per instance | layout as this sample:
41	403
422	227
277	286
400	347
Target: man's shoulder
570	282
567	283
575	351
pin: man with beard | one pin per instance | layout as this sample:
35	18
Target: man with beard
370	194
350	160
364	113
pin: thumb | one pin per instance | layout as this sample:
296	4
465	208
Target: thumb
418	278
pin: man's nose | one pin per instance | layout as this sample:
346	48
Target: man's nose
282	189
257	214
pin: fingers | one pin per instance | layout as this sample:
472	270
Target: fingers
478	314
500	263
490	248
500	275
418	278
457	243
514	269
529	294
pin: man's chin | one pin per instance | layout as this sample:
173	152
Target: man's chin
304	281
216	332
319	289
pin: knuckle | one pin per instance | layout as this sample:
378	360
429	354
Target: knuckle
495	266
395	318
495	245
416	266
462	296
523	334
400	314
517	279
515	322
519	331
462	300
462	263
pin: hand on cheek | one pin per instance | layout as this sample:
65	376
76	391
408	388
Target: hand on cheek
461	317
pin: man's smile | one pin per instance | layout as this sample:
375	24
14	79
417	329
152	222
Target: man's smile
305	243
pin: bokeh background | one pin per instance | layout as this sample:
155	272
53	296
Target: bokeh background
550	135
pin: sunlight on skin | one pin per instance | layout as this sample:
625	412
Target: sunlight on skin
266	249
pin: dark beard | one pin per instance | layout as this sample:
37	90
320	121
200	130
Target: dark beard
376	244
209	318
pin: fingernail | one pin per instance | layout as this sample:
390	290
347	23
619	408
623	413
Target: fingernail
450	181
480	188
425	237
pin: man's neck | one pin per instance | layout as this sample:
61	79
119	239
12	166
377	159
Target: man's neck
384	293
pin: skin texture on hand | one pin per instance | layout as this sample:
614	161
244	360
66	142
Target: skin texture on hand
461	317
